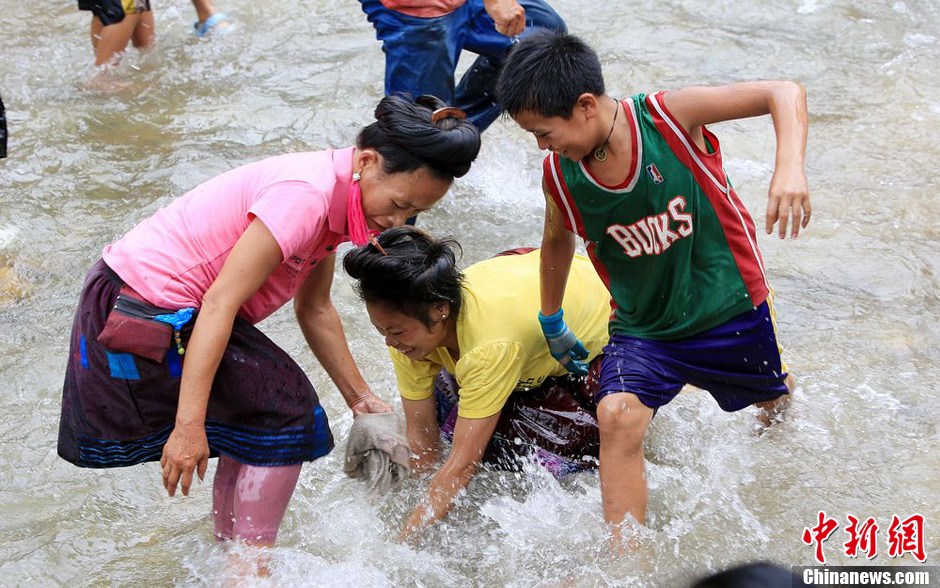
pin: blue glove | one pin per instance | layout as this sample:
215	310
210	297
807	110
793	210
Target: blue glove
563	344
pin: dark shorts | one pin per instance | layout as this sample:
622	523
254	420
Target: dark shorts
111	12
554	423
737	362
118	409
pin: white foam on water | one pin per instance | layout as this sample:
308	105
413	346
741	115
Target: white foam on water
855	294
8	235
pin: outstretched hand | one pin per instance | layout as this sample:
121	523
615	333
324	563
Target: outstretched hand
788	203
185	452
508	15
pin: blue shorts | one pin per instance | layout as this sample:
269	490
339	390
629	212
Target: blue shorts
737	362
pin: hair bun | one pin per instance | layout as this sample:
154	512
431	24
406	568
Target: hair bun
450	145
417	271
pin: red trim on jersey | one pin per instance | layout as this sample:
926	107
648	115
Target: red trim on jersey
706	168
602	272
558	190
634	168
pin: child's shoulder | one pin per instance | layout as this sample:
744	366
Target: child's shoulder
647	101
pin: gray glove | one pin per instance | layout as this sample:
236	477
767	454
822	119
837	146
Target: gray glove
377	452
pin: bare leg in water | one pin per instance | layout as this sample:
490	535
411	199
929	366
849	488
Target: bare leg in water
109	42
772	410
205	9
623	421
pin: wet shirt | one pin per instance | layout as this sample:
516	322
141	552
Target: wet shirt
173	257
673	242
502	347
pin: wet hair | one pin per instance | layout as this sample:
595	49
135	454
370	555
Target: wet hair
404	134
409	274
546	72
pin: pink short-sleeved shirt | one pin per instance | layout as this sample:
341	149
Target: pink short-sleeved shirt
173	257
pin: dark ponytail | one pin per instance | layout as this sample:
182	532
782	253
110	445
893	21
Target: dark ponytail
407	139
415	272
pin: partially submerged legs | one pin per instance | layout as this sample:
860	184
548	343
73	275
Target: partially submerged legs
208	18
110	41
772	411
623	422
249	502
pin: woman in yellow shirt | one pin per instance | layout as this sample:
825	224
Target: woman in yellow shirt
472	335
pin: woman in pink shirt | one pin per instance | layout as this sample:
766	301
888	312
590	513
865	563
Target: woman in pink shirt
191	281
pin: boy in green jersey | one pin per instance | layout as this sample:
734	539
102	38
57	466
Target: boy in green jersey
642	182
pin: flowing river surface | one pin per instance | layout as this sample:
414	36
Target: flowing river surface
857	294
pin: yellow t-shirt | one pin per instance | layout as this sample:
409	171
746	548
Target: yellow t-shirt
502	347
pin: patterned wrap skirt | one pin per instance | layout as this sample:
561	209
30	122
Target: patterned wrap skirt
118	409
553	424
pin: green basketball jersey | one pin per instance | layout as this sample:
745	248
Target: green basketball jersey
674	244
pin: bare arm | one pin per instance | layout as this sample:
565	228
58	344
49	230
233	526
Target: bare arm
424	435
508	15
558	244
323	331
256	254
471	436
788	197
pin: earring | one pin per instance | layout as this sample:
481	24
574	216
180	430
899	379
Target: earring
356	176
443	316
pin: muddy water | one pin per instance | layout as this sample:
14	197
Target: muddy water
856	294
